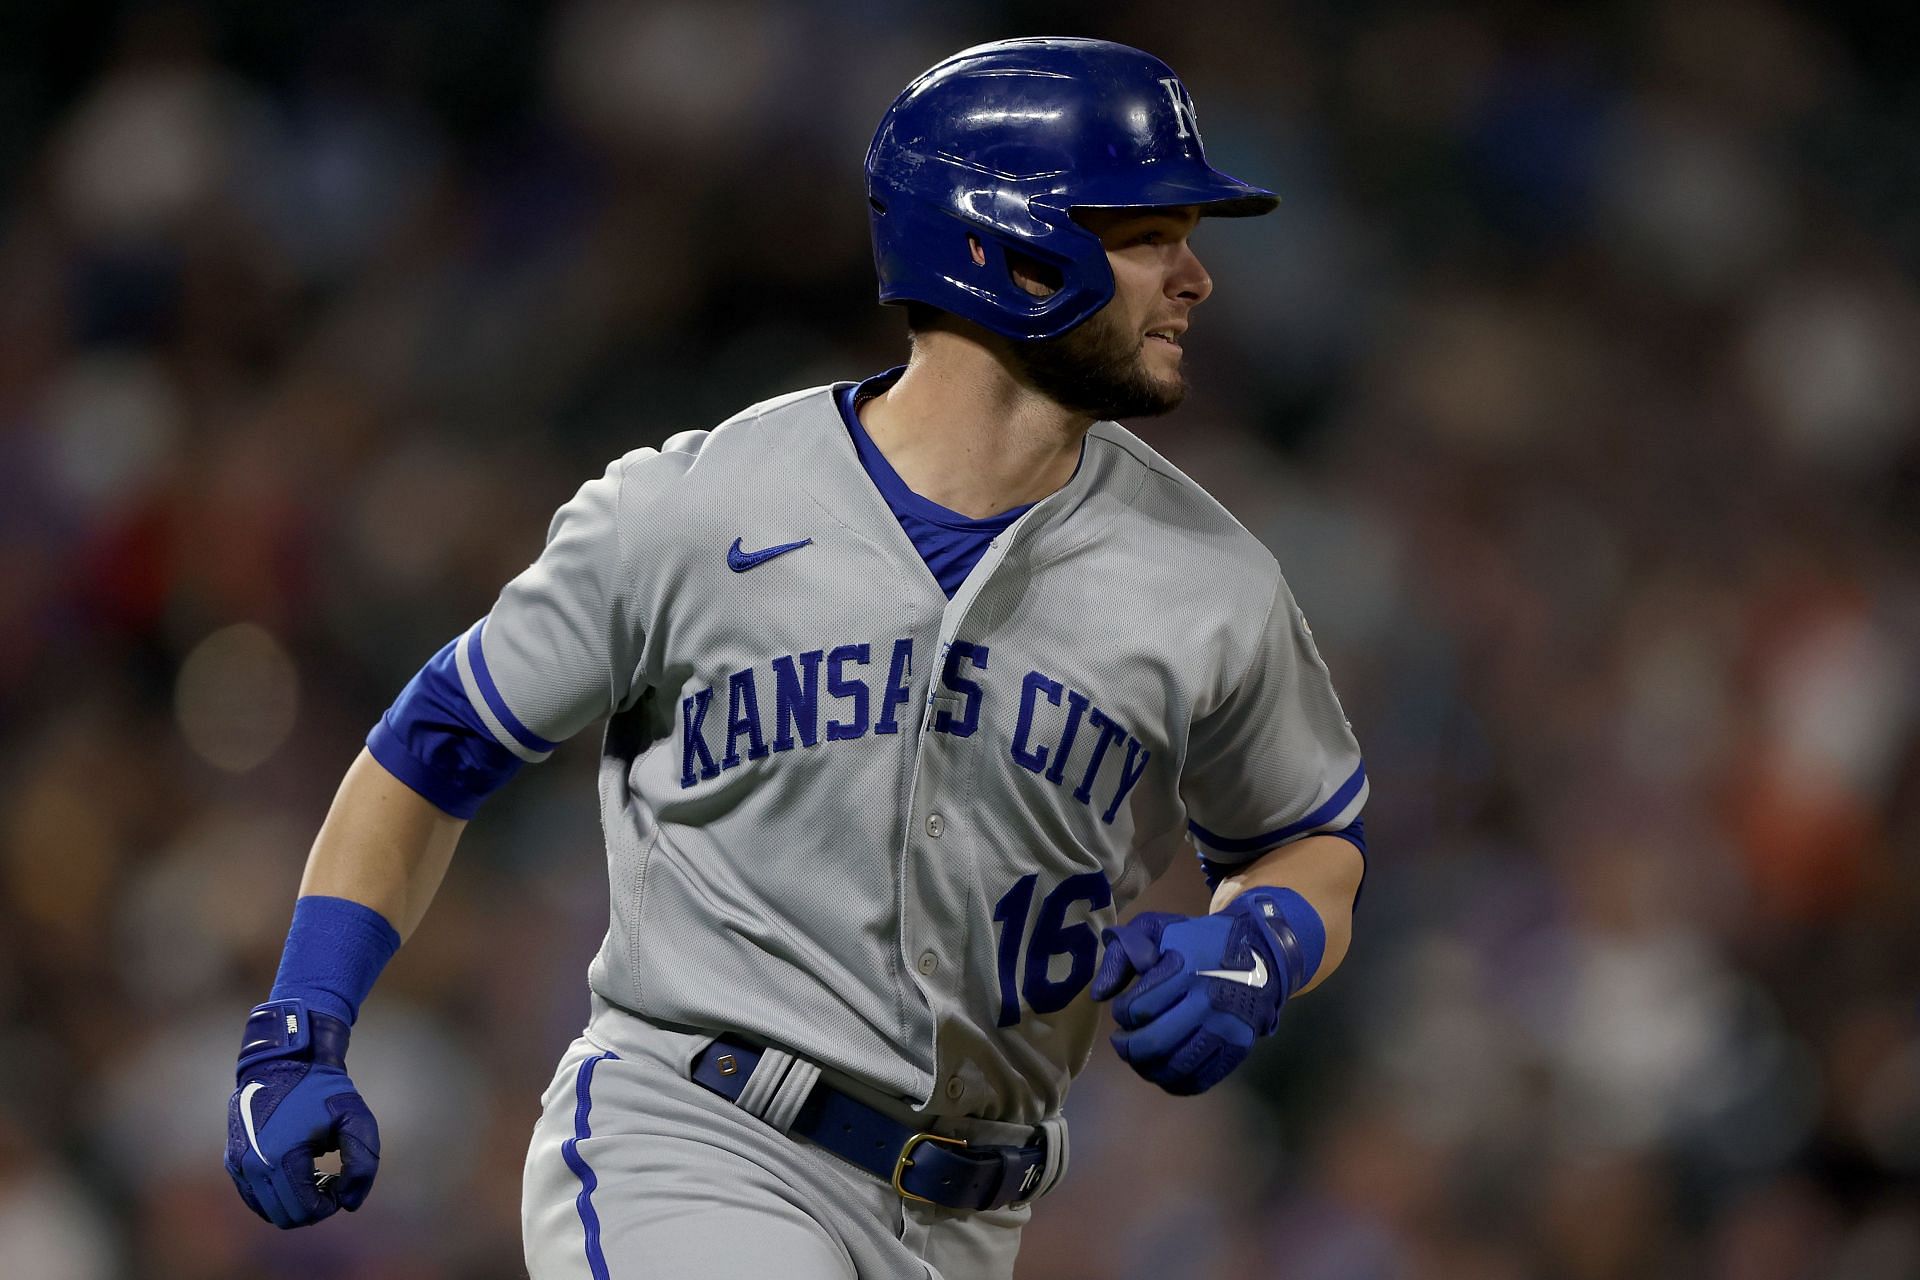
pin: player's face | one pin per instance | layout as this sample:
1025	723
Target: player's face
1124	360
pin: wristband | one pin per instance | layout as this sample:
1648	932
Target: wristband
335	951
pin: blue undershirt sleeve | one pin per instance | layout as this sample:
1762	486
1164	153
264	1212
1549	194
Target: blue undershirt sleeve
1354	833
434	741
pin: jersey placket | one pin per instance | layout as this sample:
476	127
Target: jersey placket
934	868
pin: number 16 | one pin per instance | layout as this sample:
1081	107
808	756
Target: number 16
1052	936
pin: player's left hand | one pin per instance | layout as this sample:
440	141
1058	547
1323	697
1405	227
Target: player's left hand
1198	990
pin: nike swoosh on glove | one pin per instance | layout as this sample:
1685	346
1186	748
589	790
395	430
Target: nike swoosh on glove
295	1102
1186	1028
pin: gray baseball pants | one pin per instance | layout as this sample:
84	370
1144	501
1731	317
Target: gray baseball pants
636	1171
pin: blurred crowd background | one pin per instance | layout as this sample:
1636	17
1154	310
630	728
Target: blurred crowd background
1576	385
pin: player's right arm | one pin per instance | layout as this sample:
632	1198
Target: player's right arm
383	845
556	652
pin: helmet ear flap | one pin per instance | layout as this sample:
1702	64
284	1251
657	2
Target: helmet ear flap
1046	290
1033	280
1002	268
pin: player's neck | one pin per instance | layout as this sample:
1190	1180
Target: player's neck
962	432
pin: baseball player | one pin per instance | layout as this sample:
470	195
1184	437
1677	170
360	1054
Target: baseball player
910	686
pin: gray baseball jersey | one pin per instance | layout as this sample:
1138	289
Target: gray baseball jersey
880	827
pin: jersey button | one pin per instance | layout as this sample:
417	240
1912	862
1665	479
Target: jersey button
955	1088
936	825
928	963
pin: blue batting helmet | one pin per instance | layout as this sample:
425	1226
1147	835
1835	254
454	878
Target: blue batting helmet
1002	142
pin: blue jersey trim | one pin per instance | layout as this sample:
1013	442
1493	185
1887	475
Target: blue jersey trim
491	692
1319	817
570	1152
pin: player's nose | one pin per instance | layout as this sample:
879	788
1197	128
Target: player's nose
1188	281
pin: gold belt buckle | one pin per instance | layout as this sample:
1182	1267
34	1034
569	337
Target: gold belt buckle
905	1161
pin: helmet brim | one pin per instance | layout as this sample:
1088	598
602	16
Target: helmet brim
1217	196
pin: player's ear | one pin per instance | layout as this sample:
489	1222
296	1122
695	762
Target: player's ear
1038	278
1041	279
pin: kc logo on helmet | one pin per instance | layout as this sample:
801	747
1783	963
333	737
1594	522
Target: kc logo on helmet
1185	123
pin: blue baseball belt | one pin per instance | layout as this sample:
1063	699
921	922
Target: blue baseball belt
787	1092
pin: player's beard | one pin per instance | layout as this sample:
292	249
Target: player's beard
1098	369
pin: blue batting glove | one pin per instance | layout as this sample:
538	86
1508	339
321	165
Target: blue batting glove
1199	990
295	1102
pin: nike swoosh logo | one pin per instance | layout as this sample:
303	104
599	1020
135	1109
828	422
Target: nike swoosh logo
246	1118
740	561
1254	977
